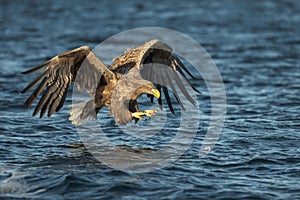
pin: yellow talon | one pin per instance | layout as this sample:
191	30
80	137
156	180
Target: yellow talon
138	115
149	113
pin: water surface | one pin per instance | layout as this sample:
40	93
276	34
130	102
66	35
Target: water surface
255	45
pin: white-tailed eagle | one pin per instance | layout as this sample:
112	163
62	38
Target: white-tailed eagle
148	69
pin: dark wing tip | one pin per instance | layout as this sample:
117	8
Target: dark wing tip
28	71
38	67
183	67
168	99
196	90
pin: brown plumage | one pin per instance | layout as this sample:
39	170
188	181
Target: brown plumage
148	69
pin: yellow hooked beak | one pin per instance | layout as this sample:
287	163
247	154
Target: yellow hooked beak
155	92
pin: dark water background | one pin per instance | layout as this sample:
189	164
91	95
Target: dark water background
256	46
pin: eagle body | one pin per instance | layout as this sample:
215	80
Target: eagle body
149	69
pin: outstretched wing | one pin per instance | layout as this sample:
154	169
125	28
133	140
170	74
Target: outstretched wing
159	65
59	73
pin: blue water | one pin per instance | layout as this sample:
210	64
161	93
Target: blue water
256	46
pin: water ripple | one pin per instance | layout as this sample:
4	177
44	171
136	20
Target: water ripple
257	52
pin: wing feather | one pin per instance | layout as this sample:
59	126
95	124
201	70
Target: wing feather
181	86
163	82
179	63
57	97
158	64
159	99
168	99
37	79
171	85
36	93
59	72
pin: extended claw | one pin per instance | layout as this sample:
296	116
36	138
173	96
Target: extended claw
149	113
138	115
